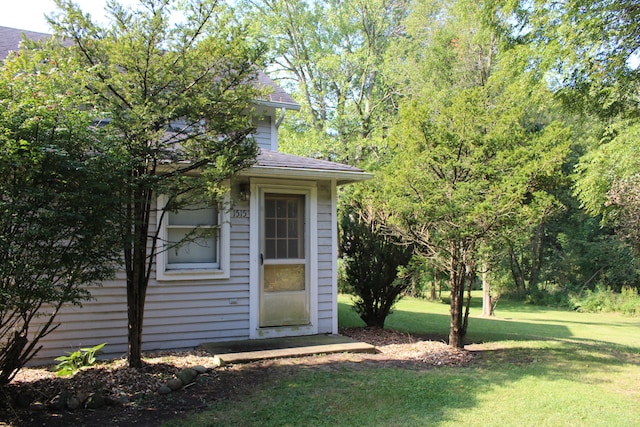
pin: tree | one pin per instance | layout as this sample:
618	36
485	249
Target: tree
372	261
472	146
178	93
332	55
591	50
54	237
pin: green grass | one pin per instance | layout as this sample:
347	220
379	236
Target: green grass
540	367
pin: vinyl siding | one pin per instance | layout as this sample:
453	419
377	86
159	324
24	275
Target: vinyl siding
264	135
326	311
184	314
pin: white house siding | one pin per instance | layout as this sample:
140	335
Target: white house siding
183	314
178	314
264	134
325	259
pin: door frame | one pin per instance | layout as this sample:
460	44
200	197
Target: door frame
258	188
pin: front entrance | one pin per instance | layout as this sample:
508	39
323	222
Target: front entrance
284	266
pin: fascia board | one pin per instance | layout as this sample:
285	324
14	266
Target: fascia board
341	177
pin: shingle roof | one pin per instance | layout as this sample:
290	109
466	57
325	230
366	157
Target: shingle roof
271	163
278	95
274	159
10	41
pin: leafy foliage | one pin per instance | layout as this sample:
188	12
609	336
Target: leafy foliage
81	358
55	238
372	262
606	300
473	149
332	55
172	93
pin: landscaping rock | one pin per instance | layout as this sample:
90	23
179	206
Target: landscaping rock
122	399
175	384
59	403
109	401
164	389
200	369
37	406
73	403
187	375
95	401
217	362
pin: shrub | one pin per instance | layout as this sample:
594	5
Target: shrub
371	261
605	300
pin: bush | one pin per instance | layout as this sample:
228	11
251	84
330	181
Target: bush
605	300
371	260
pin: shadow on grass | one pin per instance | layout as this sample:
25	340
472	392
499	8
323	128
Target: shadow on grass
325	391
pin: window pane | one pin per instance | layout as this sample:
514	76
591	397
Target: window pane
281	229
270	249
281	248
270	228
284	235
200	250
293	229
284	277
270	208
293	249
198	215
293	209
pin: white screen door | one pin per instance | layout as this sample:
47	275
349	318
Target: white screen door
284	296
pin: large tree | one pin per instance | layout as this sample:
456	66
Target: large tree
55	239
592	52
473	146
332	55
173	91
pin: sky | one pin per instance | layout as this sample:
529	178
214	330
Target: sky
30	14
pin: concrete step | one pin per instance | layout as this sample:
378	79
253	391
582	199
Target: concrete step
274	348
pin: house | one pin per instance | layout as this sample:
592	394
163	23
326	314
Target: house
270	270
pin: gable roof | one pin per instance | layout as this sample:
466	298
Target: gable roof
10	39
271	163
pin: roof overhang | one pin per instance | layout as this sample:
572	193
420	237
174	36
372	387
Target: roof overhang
275	104
341	177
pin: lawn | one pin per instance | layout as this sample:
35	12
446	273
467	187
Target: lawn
538	367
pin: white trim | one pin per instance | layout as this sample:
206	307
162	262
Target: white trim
258	188
274	133
220	271
273	104
334	257
341	177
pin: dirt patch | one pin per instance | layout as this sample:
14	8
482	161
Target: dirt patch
131	395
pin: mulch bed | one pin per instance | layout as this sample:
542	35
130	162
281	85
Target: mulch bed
132	398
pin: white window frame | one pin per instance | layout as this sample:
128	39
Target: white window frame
202	272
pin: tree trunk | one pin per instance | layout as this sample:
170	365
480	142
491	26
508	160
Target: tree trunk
138	273
456	330
487	304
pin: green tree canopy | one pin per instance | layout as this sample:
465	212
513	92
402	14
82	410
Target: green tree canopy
55	238
177	94
474	145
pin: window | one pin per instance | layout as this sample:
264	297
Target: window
193	243
284	226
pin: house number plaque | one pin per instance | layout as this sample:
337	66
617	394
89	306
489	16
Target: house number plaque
240	213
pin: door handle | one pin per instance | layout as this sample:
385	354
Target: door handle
261	259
